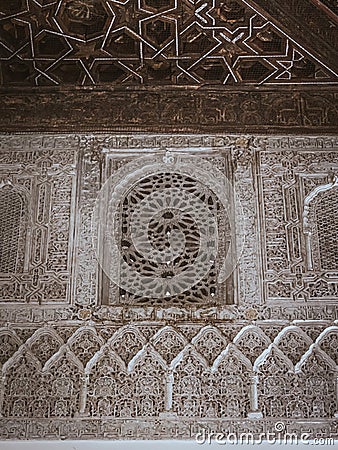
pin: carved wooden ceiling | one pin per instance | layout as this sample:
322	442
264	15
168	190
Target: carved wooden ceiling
154	42
330	4
171	66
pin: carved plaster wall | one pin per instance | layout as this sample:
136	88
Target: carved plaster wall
81	359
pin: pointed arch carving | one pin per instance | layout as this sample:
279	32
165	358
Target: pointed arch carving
127	342
328	341
168	342
66	383
191	375
293	342
107	384
275	377
44	343
84	343
22	385
232	373
251	341
9	344
317	373
209	342
148	373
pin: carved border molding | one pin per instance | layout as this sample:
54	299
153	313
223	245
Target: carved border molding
162	110
89	148
160	428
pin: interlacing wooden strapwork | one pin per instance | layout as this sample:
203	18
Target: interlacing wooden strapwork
172	42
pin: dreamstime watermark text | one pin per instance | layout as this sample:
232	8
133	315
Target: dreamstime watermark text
279	436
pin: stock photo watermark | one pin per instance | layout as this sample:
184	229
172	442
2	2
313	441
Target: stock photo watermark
280	436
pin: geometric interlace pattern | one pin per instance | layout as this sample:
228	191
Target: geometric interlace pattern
172	42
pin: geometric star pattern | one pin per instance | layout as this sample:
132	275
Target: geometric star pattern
148	42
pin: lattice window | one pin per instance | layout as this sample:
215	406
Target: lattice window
161	227
13	212
168	237
327	229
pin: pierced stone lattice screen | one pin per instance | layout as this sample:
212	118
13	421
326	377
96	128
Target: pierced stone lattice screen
168	245
13	225
327	229
160	228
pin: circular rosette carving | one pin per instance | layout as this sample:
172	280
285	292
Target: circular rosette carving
164	228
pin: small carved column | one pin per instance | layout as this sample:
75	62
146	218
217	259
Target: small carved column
254	413
2	393
169	396
336	413
83	394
